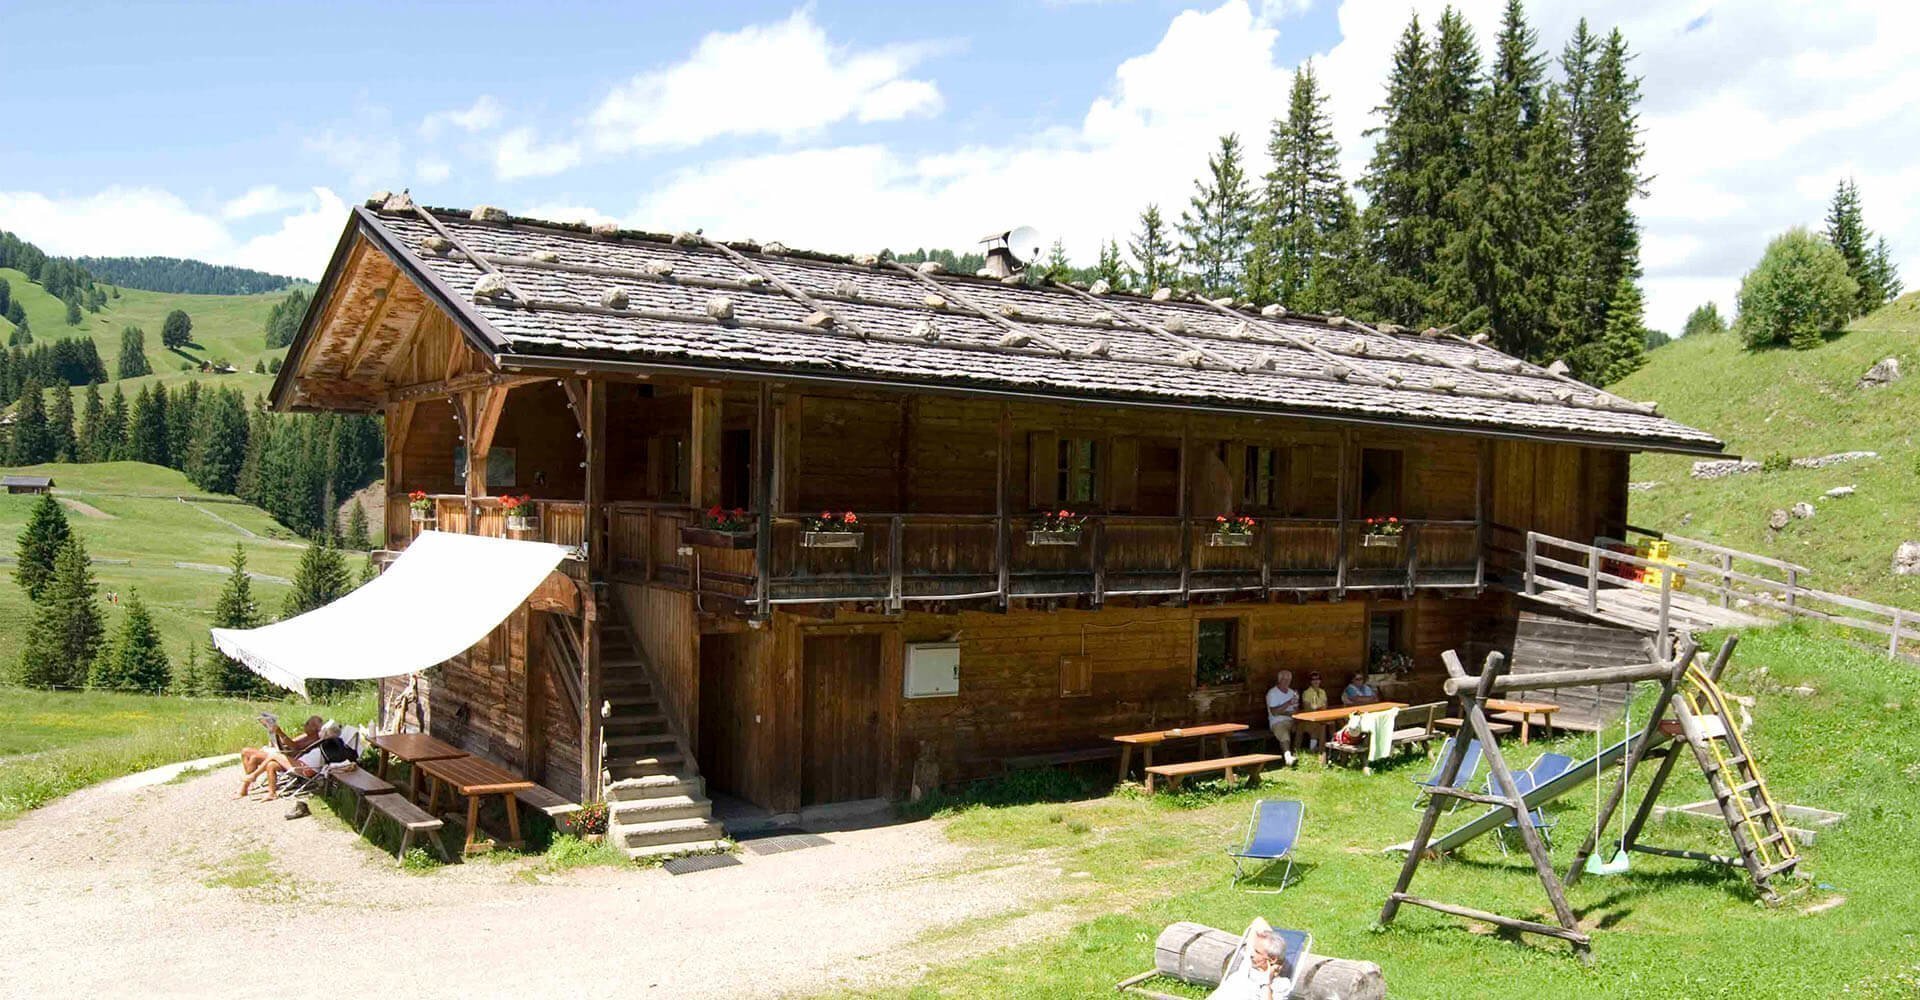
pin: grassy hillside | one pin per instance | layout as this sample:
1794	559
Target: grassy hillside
224	326
1796	403
139	532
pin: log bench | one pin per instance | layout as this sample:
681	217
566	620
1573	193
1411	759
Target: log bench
411	819
1200	955
545	800
1175	772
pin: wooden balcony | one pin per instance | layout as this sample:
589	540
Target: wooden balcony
562	522
902	559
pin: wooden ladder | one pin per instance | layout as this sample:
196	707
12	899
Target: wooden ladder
1766	849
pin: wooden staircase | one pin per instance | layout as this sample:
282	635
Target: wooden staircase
656	801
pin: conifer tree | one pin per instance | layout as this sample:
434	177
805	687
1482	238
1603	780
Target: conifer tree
1847	231
183	407
1111	269
66	442
1882	274
1217	228
189	678
22	335
148	434
6	296
113	446
219	442
65	635
39	546
132	362
1605	177
1152	250
1622	346
1304	199
92	421
234	608
357	537
320	579
133	660
33	438
1704	319
73	309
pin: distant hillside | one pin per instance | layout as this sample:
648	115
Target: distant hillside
182	276
1796	404
142	534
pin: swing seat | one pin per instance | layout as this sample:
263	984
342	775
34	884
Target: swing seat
1619	864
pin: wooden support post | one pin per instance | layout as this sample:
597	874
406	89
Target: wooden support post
896	559
1412	541
1532	543
1893	636
1726	579
591	755
1266	557
483	408
1660	775
1482	470
1593	580
1635	754
763	502
1665	636
1185	507
1002	531
588	401
1449	770
1340	515
704	440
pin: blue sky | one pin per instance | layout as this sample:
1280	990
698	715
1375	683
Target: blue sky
240	133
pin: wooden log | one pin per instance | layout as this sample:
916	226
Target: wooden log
1198	954
1543	680
1547	930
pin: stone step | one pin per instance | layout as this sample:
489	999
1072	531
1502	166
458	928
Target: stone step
655	786
639	766
670	850
667	832
633	812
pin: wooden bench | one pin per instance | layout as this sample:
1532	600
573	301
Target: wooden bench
1060	758
546	800
411	819
1174	772
364	784
1421	729
1498	728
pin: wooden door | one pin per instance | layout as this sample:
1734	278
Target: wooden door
843	738
726	708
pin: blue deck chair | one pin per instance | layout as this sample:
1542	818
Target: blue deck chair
1544	768
1468	765
1271	834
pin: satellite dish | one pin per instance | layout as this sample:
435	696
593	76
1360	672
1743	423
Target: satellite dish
1011	251
1025	243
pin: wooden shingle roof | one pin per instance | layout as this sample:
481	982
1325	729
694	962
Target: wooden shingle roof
550	295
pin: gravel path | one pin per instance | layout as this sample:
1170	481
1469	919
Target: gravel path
110	891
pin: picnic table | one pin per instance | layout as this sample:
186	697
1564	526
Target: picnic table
475	778
1148	740
1526	710
1323	720
414	748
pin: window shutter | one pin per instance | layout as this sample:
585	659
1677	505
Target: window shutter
1043	469
1237	472
1123	475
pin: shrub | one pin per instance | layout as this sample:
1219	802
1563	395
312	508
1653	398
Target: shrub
1776	462
1797	295
591	820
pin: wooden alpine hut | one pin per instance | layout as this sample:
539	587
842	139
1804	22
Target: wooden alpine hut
1037	475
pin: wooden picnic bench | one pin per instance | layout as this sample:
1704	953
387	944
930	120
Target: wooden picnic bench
1059	758
1148	740
411	819
414	748
1324	719
363	784
1508	710
1254	762
476	778
542	799
1421	728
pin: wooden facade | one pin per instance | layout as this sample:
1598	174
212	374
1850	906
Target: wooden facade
783	666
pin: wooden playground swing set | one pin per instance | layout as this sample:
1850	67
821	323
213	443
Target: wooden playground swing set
1703	718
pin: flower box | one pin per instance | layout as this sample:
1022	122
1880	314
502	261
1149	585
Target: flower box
1370	541
831	539
1229	540
1053	537
517	522
420	516
717	539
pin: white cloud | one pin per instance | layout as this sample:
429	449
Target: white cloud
785	79
260	199
483	114
519	154
148	221
432	170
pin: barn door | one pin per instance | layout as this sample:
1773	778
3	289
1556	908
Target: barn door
842	735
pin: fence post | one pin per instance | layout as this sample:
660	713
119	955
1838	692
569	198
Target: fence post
1793	586
1666	606
1532	589
1893	640
1726	580
1593	580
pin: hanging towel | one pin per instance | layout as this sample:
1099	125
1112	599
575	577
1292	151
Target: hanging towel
1380	734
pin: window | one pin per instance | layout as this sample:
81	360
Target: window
1261	488
1217	652
1387	650
736	469
1380	480
1079	471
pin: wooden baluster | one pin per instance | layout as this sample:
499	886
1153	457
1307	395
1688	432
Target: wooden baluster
1726	580
896	538
1532	544
1593	580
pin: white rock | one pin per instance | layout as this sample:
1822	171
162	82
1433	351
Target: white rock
1720	468
1099	287
1839	491
1802	510
720	307
1175	324
1906	559
1778	519
490	286
545	256
1885	371
614	298
925	330
819	319
1099	348
931	267
775	249
935	301
489	213
1559	367
1837	458
1162	294
437	244
1274	310
606	229
1015	340
1642	487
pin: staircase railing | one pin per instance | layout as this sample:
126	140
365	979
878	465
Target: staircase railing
1597	566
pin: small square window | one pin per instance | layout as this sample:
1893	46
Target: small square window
1079	470
1387	650
1217	653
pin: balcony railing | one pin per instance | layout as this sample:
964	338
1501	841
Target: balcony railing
562	522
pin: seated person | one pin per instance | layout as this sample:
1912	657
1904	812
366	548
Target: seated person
1259	970
1314	698
1358	691
252	759
327	749
1282	702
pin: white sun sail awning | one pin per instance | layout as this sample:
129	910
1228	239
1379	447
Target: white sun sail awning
443	595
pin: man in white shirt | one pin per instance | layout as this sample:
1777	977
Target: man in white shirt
1282	702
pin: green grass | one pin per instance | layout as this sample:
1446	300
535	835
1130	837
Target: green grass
148	531
230	327
1670	928
1795	403
56	742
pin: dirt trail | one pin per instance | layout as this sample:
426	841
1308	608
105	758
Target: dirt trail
112	890
85	509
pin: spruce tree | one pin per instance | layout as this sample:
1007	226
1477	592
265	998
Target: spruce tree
1152	250
1847	231
1217	228
114	446
22	335
148	434
39	546
92	422
73	309
66	442
33	439
1111	269
1882	273
219	442
234	608
320	579
1622	345
183	406
189	679
1605	176
65	635
1704	319
357	537
132	362
6	296
1305	199
133	660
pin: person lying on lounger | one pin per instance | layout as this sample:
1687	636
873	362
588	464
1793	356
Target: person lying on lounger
328	748
1259	970
252	759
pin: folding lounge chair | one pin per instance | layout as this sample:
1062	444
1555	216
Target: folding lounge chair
294	782
1545	768
1468	765
1271	834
